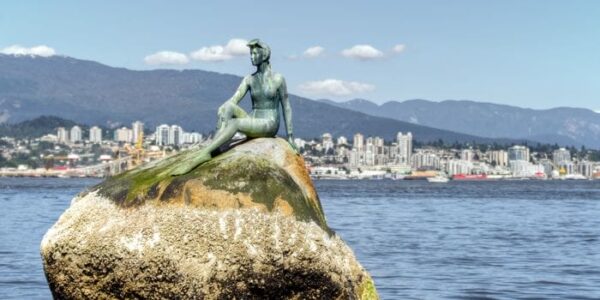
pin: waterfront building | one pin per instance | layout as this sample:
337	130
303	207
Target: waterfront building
547	165
585	168
404	150
137	131
162	135
425	160
518	152
566	168
62	135
95	135
75	134
456	166
498	157
560	156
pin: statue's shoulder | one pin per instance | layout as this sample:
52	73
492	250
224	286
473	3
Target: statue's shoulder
278	77
248	78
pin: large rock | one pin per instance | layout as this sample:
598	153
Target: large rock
247	224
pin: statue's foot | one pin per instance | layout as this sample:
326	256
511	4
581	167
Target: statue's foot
187	167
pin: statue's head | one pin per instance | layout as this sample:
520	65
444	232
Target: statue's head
259	52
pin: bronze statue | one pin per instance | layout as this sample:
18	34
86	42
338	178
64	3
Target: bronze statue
267	90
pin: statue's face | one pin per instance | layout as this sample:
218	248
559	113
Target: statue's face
257	56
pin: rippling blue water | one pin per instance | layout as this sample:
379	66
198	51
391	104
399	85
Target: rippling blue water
461	240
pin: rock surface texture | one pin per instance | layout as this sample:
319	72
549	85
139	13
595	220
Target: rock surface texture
246	225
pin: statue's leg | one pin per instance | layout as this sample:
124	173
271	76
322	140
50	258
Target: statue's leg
227	126
227	113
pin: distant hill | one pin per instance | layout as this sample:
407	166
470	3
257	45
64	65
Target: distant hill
563	125
35	128
91	93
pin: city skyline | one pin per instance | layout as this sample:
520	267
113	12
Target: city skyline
535	54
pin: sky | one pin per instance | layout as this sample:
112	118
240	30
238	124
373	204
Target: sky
534	54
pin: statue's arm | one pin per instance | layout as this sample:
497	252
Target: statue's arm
241	92
287	112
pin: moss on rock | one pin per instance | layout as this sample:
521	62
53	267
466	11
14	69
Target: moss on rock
265	169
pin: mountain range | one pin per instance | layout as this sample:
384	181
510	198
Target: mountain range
563	125
95	94
91	93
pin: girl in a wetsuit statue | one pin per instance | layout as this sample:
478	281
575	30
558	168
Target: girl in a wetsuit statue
267	90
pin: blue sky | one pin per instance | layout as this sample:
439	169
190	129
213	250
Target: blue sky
537	54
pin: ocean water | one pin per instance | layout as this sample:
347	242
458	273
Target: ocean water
419	240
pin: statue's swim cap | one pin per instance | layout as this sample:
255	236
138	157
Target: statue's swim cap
256	43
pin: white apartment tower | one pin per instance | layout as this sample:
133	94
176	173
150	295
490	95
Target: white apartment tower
162	134
175	135
95	135
62	135
138	130
405	148
358	142
123	134
75	134
561	156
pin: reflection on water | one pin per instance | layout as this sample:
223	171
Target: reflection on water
461	240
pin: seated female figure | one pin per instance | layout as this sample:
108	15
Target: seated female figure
267	90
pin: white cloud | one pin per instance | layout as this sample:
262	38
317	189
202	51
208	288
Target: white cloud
237	47
335	87
398	48
233	48
41	50
166	58
313	52
362	52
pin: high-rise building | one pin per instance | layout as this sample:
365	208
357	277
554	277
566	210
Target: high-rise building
560	156
175	135
379	144
138	130
62	135
359	142
327	141
123	134
342	140
75	135
95	134
517	152
404	152
369	154
162	134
